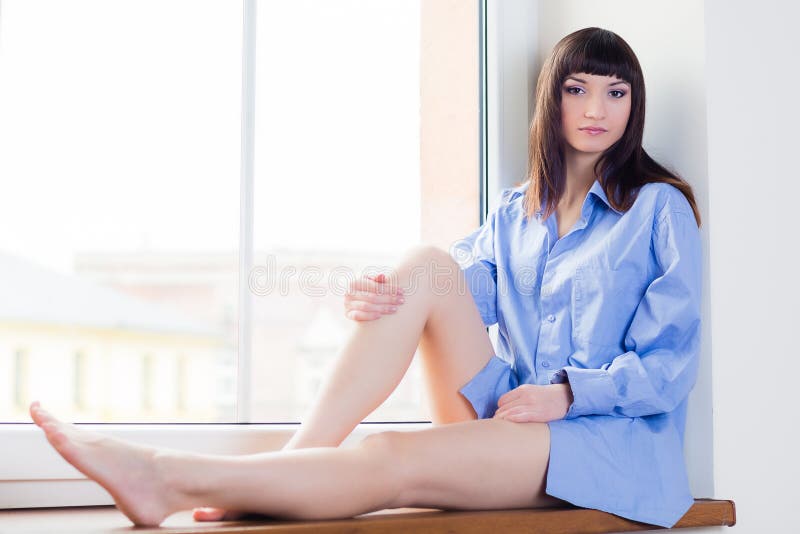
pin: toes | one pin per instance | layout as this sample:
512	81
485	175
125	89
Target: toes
40	415
215	514
35	411
208	514
54	435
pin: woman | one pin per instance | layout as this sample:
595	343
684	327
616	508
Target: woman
591	269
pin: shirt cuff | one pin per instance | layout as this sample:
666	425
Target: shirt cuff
593	390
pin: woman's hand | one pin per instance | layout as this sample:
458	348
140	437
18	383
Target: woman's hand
370	297
532	403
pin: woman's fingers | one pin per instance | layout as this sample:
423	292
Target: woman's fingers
369	298
370	285
364	301
358	315
366	307
365	296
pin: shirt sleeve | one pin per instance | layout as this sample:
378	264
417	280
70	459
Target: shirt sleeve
660	368
475	255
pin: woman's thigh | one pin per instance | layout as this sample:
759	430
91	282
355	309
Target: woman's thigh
454	345
472	465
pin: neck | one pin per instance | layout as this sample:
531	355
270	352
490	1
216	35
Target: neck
580	177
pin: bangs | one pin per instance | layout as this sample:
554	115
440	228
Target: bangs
603	54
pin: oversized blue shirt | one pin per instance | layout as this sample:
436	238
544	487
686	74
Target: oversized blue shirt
612	307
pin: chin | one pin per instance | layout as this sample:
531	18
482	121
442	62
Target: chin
583	149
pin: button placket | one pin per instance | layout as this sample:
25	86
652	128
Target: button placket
546	291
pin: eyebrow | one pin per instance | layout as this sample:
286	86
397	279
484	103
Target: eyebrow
584	81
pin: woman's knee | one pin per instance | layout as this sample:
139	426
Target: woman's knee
385	451
427	267
427	474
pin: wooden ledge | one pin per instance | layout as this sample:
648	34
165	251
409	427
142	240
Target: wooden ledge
704	513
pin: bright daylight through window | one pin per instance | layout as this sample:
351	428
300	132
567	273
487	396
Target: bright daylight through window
121	140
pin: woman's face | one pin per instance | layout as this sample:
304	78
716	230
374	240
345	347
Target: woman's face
589	100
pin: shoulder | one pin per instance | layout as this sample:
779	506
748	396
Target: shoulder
506	204
674	227
510	194
664	200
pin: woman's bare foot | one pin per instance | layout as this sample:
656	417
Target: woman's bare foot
127	471
215	514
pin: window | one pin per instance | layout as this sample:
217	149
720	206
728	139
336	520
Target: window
142	175
133	235
181	381
147	382
21	377
120	142
337	114
80	383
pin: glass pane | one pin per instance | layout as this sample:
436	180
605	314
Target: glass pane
337	186
119	218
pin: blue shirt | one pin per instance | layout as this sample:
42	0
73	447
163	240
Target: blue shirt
612	307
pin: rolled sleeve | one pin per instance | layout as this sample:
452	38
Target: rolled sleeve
593	390
484	389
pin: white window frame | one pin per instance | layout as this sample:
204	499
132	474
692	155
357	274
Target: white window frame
39	477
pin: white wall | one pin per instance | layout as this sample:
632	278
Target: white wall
753	118
722	111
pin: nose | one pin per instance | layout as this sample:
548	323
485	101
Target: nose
595	109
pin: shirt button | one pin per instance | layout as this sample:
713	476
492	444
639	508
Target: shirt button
545	364
551	317
546	291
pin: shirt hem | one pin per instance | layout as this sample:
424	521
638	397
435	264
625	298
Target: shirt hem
636	515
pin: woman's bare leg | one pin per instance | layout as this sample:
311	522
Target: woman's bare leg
385	470
439	318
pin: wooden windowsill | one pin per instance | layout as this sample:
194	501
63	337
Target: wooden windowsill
705	512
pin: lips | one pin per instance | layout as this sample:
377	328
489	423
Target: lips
593	129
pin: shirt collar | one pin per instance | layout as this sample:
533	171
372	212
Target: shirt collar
597	190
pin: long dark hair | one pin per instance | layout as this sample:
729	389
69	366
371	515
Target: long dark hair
625	166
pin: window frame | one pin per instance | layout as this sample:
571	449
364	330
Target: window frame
41	478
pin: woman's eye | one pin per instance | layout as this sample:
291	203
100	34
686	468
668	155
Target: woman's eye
570	91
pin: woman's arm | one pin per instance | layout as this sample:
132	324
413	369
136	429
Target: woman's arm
475	255
660	368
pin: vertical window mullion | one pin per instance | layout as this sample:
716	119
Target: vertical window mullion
243	359
483	108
